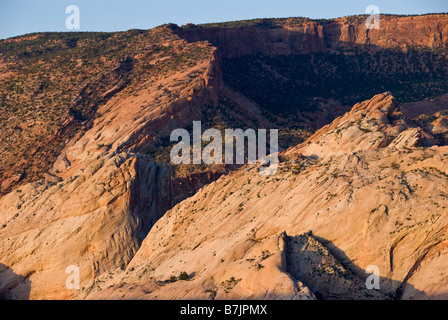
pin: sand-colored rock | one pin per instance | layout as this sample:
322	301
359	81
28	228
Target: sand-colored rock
371	187
382	206
326	276
102	194
369	125
134	122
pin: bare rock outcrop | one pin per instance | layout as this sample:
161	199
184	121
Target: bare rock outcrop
371	186
382	206
94	220
327	278
372	124
102	195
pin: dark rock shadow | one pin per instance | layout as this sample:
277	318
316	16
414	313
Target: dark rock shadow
12	285
331	275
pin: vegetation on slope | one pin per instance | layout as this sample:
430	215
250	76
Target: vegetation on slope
51	85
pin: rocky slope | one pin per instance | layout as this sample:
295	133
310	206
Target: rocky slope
84	138
95	220
55	86
365	187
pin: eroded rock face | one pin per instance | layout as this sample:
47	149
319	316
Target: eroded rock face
382	206
102	195
372	124
302	37
249	270
252	41
327	278
95	220
85	95
135	122
371	186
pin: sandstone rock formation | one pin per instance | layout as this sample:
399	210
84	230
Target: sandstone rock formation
301	35
370	188
382	206
95	220
102	194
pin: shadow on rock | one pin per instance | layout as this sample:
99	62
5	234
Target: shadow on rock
12	285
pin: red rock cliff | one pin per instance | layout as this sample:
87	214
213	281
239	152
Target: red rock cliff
317	36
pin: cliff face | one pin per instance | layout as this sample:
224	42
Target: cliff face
56	88
253	41
94	220
102	194
365	204
313	36
371	185
138	117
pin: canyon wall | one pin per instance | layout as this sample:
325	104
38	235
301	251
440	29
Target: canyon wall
317	36
103	192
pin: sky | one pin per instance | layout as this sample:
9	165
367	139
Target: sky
18	17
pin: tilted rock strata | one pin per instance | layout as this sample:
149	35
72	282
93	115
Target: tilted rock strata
382	206
313	36
95	220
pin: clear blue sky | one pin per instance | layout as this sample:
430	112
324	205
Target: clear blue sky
19	17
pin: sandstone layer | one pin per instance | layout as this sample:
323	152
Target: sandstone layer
301	36
370	188
380	200
102	194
